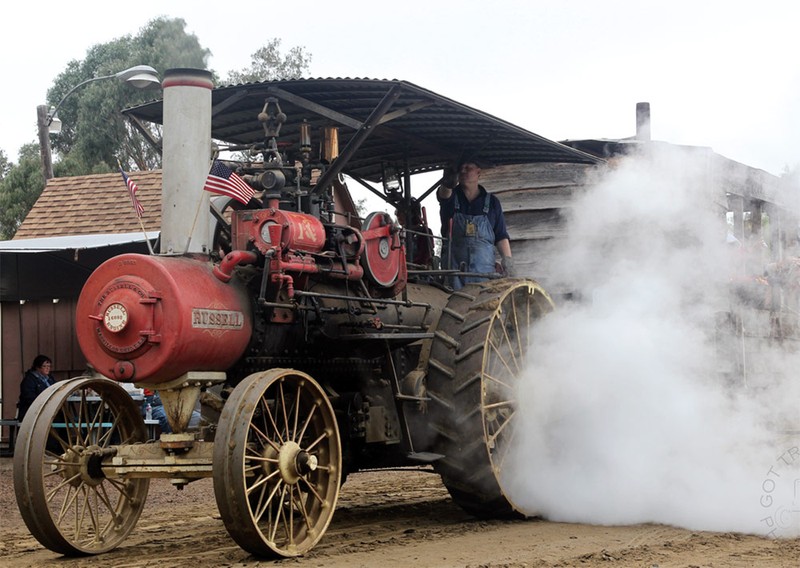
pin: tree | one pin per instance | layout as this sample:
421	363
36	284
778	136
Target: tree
4	165
94	132
19	189
94	135
269	64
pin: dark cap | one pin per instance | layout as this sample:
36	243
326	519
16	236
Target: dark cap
469	161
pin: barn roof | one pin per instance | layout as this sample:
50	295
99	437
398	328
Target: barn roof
428	130
92	204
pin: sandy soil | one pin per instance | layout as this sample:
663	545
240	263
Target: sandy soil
394	519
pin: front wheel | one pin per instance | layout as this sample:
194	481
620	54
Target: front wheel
277	463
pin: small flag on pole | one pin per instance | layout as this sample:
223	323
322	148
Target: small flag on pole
132	189
222	180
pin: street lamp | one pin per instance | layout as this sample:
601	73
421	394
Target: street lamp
139	76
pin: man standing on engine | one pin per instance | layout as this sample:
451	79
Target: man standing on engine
473	223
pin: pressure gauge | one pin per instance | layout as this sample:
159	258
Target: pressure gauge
265	232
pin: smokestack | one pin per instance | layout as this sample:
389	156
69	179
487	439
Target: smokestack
643	121
186	159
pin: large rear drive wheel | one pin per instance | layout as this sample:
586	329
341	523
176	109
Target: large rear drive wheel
277	463
478	356
65	499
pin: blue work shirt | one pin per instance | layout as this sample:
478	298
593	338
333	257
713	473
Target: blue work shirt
475	207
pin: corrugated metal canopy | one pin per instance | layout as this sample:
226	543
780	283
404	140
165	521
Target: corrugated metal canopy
425	130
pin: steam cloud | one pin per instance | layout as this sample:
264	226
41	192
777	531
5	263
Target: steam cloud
629	411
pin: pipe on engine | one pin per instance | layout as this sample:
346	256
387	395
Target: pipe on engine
224	272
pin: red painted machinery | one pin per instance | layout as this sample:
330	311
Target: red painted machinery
315	345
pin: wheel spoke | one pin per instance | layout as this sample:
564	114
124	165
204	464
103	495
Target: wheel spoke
293	437
106	499
58	472
306	423
261	481
522	346
290	526
494	435
95	424
313	444
508	341
502	359
272	422
70	423
501	404
80	514
105	439
498	381
312	489
271	511
279	513
268	502
58	487
266	438
67	503
122	487
504	449
261	459
67	428
57	437
93	511
285	414
302	508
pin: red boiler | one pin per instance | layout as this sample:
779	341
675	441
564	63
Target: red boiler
151	319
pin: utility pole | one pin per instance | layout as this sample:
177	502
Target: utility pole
44	142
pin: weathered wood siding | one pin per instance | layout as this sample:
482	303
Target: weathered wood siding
536	200
30	329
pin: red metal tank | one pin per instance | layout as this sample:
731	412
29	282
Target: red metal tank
268	228
151	319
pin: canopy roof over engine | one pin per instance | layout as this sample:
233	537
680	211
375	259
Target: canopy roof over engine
381	123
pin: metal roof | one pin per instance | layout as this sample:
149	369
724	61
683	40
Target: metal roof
414	125
74	242
57	267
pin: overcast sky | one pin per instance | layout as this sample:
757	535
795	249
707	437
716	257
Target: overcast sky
722	74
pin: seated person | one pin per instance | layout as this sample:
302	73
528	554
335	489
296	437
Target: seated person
34	382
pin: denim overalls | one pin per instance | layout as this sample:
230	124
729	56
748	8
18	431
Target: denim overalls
472	246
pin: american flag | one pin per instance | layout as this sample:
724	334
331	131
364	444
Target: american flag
222	180
132	189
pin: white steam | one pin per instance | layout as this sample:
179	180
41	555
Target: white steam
630	411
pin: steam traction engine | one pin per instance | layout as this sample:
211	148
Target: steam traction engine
315	348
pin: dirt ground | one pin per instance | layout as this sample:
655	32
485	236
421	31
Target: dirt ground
393	519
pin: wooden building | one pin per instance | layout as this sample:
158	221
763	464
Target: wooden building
537	198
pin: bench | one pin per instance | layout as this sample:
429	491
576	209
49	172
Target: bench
7	450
